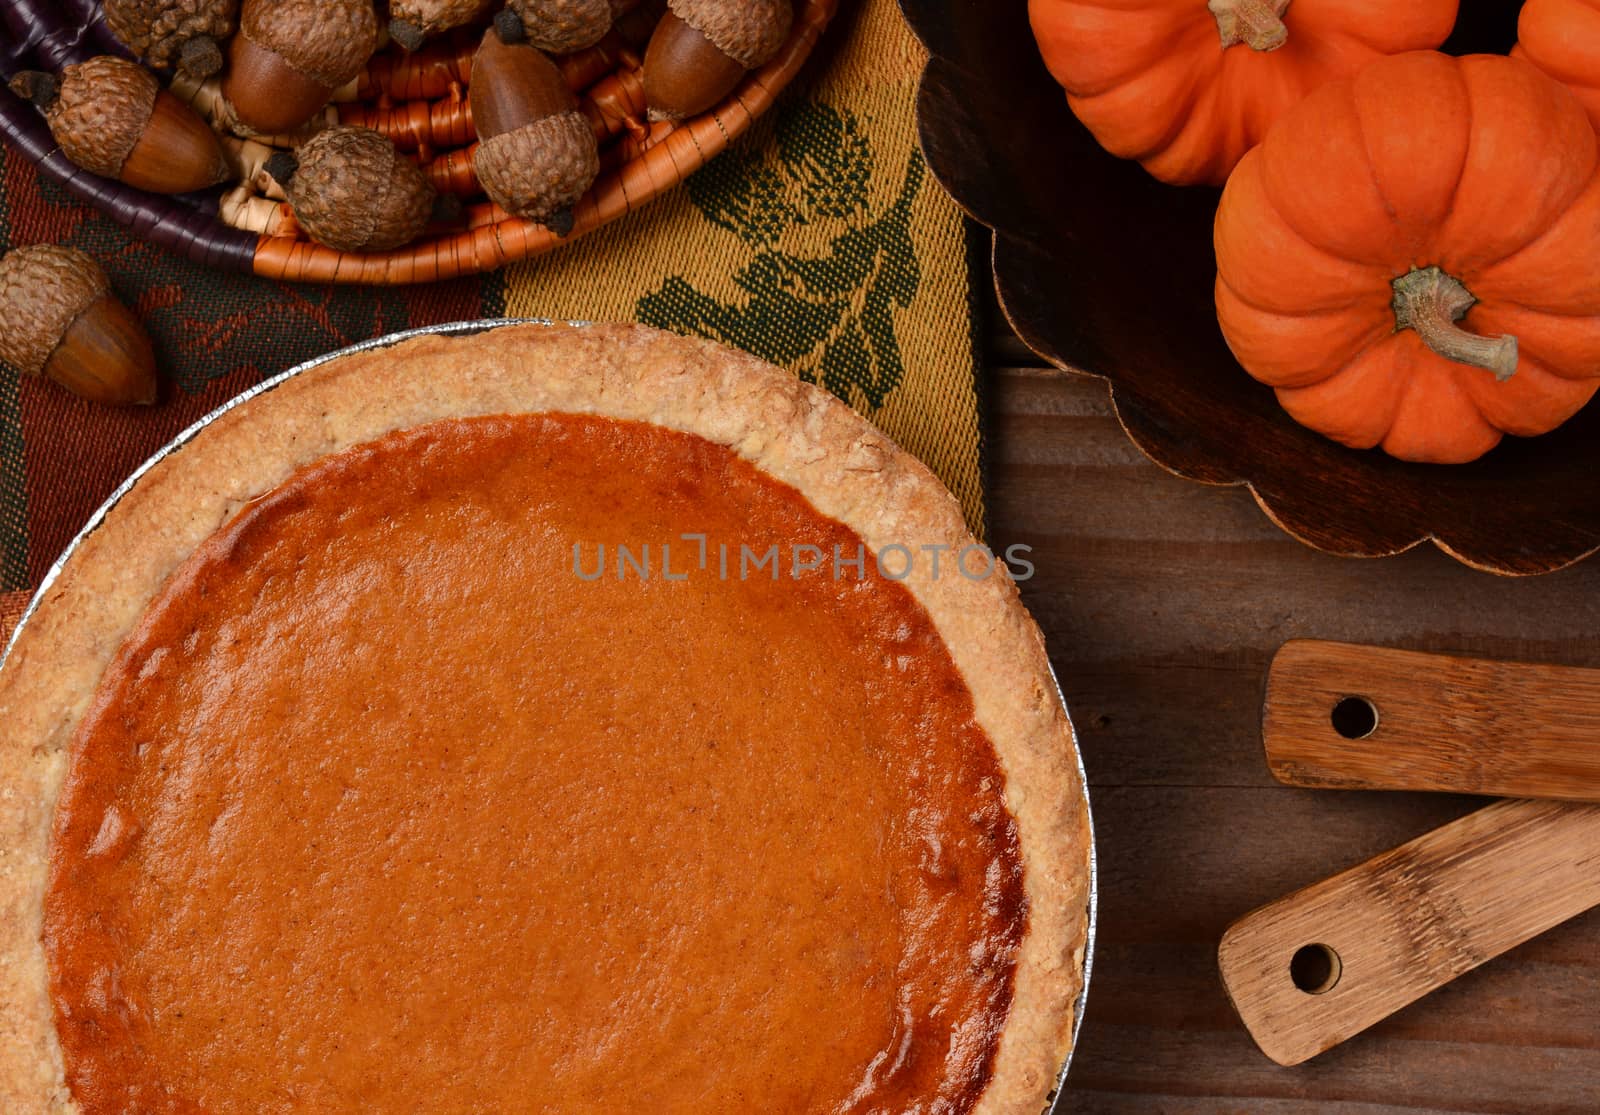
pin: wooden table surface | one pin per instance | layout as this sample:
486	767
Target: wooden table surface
1163	601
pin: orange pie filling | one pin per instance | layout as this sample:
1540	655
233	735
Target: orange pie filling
383	808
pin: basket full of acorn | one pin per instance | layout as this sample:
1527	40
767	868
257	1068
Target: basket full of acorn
339	141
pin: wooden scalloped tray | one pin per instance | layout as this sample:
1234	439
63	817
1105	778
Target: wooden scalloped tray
1103	270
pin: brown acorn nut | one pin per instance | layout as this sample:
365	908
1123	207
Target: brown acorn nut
565	26
291	55
701	50
181	33
353	191
537	153
59	319
413	22
112	118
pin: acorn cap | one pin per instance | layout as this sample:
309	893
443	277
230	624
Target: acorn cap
748	31
412	21
43	289
159	30
351	190
539	170
564	26
328	41
98	112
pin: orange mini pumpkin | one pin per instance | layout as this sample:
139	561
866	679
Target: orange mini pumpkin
1562	38
1188	87
1409	257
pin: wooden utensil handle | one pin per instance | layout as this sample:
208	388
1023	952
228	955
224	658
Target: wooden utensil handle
1340	716
1321	965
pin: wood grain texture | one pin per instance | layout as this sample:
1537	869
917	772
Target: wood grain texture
1443	723
1408	921
1163	602
1103	269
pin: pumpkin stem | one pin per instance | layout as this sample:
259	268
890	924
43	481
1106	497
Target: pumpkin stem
1256	23
1431	302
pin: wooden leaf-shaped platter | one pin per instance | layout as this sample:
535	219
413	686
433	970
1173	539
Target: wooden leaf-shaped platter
1103	270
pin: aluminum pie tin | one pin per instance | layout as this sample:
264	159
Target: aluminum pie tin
1058	1105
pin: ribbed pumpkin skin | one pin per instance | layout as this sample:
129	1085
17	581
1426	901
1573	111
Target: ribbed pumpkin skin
1152	81
1482	166
1562	38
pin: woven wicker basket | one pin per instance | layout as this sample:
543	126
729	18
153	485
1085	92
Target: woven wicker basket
420	101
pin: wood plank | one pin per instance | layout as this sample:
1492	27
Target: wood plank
1163	602
1205	1072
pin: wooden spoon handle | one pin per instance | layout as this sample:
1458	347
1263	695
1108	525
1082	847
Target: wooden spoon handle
1340	716
1321	965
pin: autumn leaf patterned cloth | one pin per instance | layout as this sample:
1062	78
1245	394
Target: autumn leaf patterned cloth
818	242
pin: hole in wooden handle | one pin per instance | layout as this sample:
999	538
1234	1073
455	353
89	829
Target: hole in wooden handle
1315	969
1355	718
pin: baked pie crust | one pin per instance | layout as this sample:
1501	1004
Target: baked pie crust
790	431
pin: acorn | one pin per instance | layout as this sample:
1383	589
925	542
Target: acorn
291	55
112	118
537	153
59	319
564	26
351	189
701	50
413	22
181	33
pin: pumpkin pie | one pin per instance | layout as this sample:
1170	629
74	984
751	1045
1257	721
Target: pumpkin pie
548	718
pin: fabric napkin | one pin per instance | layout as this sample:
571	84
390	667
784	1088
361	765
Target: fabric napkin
818	242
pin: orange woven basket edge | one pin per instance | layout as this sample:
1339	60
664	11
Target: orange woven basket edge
639	160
